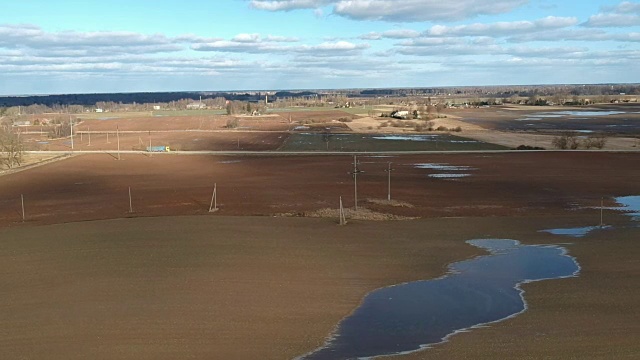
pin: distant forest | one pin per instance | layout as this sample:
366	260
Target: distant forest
254	96
124	98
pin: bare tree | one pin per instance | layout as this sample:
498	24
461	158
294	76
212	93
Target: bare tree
565	141
11	148
596	141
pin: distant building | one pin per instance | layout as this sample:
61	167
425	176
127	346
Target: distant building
22	123
403	114
196	106
156	107
98	110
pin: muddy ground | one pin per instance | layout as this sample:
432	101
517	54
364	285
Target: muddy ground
92	187
206	287
159	283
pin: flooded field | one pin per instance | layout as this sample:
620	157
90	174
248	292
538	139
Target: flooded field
371	142
411	316
614	119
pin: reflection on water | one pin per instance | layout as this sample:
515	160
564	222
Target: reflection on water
408	317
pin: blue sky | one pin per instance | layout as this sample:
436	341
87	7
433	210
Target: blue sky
139	45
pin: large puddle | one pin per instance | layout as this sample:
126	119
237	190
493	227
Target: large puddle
412	316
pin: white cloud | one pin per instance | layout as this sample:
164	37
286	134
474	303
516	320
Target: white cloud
246	38
624	8
391	34
625	14
422	10
580	34
503	28
398	11
371	36
30	36
336	48
613	20
287	5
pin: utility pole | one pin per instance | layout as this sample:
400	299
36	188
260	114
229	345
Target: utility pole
71	124
118	136
22	200
389	170
130	202
355	173
343	219
89	134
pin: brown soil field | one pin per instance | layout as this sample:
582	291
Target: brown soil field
159	286
92	187
177	140
181	123
273	288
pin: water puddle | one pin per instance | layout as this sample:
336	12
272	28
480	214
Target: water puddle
443	167
575	232
630	206
407	137
412	316
449	172
449	176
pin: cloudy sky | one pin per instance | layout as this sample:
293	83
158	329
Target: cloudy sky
70	46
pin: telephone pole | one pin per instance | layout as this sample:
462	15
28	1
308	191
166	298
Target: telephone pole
71	125
118	136
389	170
355	173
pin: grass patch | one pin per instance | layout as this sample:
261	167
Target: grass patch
394	203
351	214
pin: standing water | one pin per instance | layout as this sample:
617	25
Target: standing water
411	316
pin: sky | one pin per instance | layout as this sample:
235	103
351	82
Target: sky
86	46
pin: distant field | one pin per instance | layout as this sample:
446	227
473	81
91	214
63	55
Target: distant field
115	115
380	142
188	112
314	109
